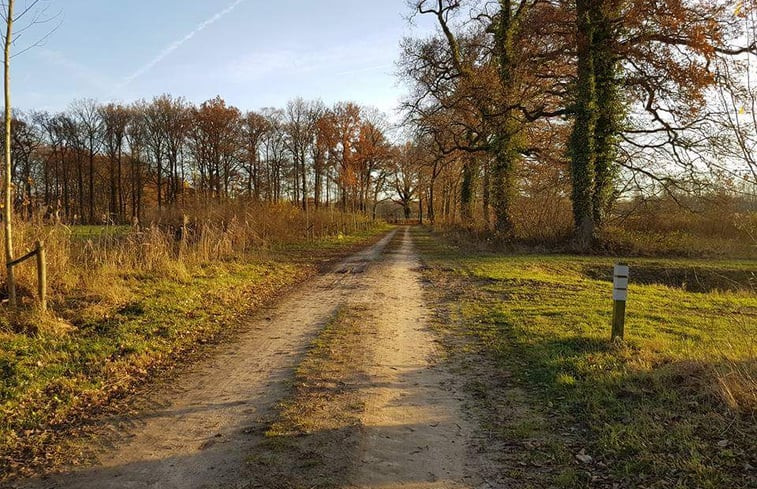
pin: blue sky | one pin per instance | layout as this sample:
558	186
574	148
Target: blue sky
254	53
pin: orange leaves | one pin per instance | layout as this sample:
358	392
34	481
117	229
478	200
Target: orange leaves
218	124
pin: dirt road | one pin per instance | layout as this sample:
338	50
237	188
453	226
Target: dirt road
414	433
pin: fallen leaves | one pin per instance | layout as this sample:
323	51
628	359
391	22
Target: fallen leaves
583	457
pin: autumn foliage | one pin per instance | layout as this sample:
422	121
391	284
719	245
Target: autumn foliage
609	100
115	163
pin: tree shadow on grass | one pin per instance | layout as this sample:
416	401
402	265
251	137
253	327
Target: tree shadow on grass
665	423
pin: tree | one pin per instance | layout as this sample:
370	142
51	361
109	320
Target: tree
323	150
8	214
491	80
300	127
405	177
26	142
347	119
176	122
274	151
658	59
372	153
582	144
90	123
137	139
116	119
255	126
217	138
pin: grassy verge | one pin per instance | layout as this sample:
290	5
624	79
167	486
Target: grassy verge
54	379
313	439
676	406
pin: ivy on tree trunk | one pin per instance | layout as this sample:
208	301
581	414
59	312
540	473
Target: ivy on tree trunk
505	144
582	141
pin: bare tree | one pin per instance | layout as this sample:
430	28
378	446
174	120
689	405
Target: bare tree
255	127
90	122
8	160
115	121
405	177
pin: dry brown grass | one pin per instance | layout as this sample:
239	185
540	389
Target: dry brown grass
737	384
716	225
83	261
712	226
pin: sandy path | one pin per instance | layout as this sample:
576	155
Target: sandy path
414	433
203	430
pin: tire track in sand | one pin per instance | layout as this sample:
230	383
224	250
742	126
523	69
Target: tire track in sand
415	435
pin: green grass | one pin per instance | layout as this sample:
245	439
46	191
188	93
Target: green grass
312	441
53	378
674	406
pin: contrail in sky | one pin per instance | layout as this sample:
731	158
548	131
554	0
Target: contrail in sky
178	43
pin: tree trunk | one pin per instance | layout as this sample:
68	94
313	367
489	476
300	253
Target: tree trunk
80	181
609	110
505	144
502	185
160	183
91	182
420	208
8	214
486	194
113	194
66	189
466	189
582	142
121	209
431	211
304	183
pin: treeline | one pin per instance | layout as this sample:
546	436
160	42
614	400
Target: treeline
554	110
96	163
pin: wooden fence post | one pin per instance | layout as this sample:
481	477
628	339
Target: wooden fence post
620	296
42	275
183	240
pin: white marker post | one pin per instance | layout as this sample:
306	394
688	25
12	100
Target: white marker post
620	296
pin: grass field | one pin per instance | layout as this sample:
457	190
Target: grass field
675	406
54	378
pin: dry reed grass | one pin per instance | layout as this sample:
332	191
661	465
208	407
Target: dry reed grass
84	261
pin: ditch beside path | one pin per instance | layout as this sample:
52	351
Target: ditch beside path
207	423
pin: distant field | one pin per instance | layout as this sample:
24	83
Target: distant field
675	407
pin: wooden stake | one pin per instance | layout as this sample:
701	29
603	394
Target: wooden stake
183	241
619	321
42	275
620	295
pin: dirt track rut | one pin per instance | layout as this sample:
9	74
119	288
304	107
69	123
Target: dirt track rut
414	434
